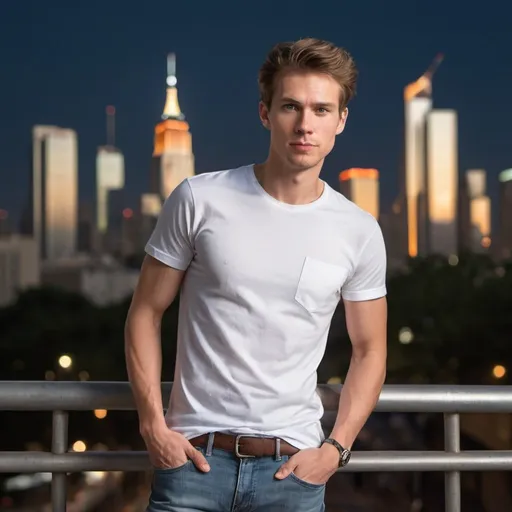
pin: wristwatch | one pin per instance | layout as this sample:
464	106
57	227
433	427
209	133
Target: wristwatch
344	453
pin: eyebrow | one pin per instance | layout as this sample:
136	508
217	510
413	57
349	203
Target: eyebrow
321	104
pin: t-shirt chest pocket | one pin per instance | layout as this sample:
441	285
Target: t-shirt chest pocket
319	286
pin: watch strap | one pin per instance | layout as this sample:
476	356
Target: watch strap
335	443
344	452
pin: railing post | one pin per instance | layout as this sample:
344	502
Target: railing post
452	478
59	446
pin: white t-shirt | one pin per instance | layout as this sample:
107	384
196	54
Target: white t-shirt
262	283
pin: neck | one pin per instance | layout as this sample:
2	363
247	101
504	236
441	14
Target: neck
288	185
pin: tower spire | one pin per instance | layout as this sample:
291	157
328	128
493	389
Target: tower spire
422	87
111	125
171	68
172	108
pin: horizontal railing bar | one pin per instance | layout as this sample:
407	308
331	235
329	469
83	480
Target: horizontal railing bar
74	396
393	461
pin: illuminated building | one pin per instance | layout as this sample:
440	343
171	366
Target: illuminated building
361	186
442	182
109	173
505	214
417	104
103	281
19	267
173	160
109	176
479	206
55	191
150	207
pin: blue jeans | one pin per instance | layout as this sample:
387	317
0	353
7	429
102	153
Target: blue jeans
233	485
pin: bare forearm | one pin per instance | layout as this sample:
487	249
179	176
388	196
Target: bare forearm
359	395
144	366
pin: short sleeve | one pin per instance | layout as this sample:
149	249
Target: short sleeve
368	280
171	240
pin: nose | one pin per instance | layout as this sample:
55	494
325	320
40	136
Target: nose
304	122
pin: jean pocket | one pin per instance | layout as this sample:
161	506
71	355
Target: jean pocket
308	485
169	471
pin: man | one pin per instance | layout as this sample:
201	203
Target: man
262	255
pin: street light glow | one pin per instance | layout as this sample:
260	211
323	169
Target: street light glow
79	446
453	260
405	336
499	371
100	413
65	361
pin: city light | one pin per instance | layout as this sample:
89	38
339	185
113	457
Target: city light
405	336
356	172
65	362
505	175
453	260
334	380
100	413
83	375
94	477
79	446
500	271
486	242
499	371
127	213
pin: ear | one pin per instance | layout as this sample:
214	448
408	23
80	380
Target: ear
343	121
263	112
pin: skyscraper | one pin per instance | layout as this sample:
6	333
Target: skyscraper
173	160
109	176
478	232
55	191
417	104
442	182
362	187
150	207
109	173
19	267
505	224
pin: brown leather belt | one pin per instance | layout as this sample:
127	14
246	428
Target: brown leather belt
245	446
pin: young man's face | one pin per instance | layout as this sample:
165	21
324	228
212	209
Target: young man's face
304	118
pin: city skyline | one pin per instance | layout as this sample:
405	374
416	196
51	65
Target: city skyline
374	134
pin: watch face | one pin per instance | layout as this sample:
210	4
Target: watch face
345	457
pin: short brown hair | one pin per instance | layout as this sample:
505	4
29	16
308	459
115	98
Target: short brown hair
309	55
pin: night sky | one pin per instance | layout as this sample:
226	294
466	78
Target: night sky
62	64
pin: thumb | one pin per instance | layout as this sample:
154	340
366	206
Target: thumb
198	459
286	469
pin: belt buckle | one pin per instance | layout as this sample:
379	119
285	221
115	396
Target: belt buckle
237	447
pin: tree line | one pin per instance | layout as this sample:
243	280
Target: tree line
447	323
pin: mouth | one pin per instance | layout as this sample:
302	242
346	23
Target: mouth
302	146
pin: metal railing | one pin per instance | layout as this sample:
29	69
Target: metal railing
62	397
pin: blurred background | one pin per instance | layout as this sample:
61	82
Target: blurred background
105	107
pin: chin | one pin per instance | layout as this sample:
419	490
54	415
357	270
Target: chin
304	162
